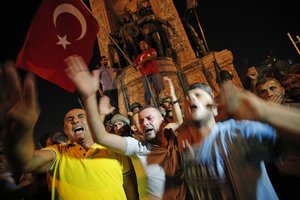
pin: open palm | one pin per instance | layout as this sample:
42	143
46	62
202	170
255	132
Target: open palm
78	72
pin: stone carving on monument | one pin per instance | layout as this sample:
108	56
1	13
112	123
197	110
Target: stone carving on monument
183	60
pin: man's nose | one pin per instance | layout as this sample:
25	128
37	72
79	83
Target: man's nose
270	93
191	99
145	122
75	120
118	126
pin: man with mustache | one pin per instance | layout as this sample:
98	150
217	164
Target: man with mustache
159	153
80	169
291	84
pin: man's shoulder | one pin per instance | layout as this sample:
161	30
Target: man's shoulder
234	124
151	50
135	146
247	128
132	140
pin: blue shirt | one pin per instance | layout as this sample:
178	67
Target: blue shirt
229	162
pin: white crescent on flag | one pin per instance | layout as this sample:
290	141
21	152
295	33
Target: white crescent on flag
68	8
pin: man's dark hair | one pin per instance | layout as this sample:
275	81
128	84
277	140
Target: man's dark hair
266	79
202	86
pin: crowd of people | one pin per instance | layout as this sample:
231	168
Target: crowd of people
176	150
244	144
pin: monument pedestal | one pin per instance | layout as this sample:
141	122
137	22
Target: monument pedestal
193	72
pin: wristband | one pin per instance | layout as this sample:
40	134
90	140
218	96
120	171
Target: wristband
176	101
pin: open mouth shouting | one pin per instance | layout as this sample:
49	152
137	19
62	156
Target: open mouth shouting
193	108
148	131
78	130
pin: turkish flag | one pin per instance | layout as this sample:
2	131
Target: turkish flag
59	29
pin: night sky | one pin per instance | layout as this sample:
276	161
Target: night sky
251	30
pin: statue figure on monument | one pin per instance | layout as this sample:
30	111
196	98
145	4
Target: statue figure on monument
130	35
154	29
196	42
115	55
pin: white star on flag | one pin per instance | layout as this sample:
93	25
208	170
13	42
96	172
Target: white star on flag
63	41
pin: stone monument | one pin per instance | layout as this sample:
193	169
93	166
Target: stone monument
184	69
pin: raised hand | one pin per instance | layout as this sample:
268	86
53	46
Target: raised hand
241	104
276	98
169	86
77	71
252	73
10	90
18	106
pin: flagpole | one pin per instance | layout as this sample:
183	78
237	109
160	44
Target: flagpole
219	79
200	27
150	90
80	103
122	87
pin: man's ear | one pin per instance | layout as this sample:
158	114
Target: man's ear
215	110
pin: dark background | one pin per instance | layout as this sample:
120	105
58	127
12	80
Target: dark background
251	30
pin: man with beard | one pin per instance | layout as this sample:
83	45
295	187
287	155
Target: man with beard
159	153
291	84
225	160
80	169
120	125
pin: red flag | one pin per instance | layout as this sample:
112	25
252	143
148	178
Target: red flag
59	29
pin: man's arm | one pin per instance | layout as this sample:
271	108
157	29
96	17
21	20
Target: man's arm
252	74
98	72
21	116
177	114
245	105
153	55
147	57
87	84
130	184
